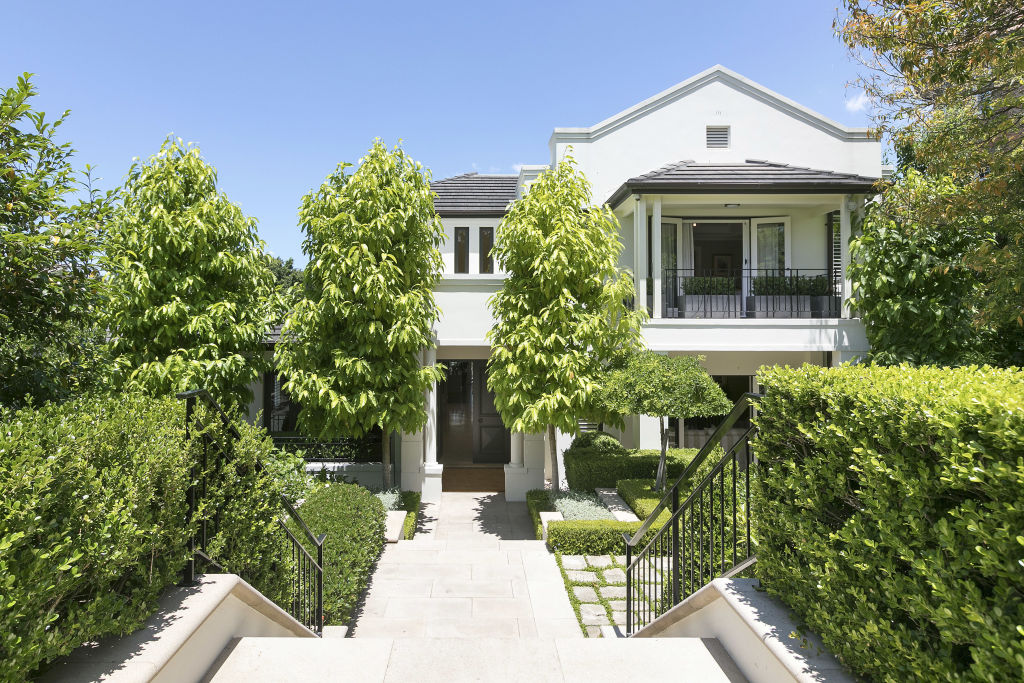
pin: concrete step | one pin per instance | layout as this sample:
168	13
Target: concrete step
394	524
254	660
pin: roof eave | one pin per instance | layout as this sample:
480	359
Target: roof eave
629	188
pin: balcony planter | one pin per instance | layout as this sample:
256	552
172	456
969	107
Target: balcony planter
711	305
825	306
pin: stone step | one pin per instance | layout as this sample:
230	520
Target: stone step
254	660
394	525
616	505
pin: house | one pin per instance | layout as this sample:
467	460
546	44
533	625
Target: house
735	205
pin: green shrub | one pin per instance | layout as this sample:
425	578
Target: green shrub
92	530
709	286
353	519
640	495
889	509
538	501
411	505
591	537
588	468
601	442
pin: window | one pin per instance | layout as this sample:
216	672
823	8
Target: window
718	137
279	410
461	250
486	243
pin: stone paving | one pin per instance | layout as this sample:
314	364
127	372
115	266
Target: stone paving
598	584
474	570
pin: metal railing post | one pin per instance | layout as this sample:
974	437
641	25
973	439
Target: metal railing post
188	577
629	589
675	546
320	587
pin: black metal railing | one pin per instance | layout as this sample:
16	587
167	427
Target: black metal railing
365	449
752	293
305	602
681	547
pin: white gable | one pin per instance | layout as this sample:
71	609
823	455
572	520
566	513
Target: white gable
672	126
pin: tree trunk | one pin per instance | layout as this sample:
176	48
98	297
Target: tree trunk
659	482
556	480
385	457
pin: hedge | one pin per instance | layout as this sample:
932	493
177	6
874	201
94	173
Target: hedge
353	519
639	494
889	514
92	527
411	505
593	465
592	536
538	501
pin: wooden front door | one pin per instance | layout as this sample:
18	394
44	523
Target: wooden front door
471	431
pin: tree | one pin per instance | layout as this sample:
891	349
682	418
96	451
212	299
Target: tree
50	343
560	316
287	281
946	79
660	386
191	289
350	348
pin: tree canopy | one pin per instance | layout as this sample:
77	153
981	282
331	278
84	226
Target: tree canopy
661	386
350	348
946	79
561	315
191	289
50	340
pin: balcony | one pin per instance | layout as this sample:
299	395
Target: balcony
750	293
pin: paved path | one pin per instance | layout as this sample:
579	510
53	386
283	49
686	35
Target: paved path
475	571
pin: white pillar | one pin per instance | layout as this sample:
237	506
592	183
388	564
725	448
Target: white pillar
844	239
516	459
640	252
656	256
431	490
522	476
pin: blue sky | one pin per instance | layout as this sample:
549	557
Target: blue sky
276	94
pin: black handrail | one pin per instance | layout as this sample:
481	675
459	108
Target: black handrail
306	604
672	563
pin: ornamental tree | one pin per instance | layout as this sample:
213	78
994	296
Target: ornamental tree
350	347
50	340
191	288
561	315
662	386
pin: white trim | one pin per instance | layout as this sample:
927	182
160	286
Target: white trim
724	75
787	239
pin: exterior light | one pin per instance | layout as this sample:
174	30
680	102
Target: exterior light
732	206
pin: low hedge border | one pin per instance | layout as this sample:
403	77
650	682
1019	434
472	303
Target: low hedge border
538	501
640	495
592	536
411	505
601	463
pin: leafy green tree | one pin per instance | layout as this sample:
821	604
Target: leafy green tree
191	288
946	81
660	386
350	348
560	316
288	282
50	342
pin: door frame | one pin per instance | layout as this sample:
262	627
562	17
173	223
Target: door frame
787	241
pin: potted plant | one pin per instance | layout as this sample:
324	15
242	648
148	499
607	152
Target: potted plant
824	302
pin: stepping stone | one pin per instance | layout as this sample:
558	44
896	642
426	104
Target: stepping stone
599	561
619	618
614	576
617	605
585	593
594	631
574	562
609	592
620	560
593	615
616	505
545	518
585	577
393	524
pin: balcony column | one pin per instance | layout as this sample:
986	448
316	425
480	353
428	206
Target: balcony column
656	256
640	252
431	491
851	204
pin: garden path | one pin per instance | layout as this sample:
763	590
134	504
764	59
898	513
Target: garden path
474	570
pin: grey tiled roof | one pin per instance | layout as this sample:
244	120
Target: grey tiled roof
752	176
472	194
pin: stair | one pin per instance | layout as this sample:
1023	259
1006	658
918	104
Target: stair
254	660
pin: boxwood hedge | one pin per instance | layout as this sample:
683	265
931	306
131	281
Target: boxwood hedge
91	530
592	462
890	510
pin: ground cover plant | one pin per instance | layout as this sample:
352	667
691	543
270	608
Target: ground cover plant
94	531
889	508
580	505
353	519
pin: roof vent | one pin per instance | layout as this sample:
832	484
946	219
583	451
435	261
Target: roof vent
718	137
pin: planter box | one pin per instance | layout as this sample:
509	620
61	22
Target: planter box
826	307
710	306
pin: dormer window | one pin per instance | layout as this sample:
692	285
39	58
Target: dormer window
718	137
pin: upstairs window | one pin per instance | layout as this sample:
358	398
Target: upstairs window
462	250
718	137
486	243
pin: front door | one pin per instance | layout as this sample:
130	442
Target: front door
471	431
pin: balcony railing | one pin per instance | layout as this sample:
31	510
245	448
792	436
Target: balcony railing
752	293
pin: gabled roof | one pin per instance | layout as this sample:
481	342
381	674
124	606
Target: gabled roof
751	176
729	77
472	194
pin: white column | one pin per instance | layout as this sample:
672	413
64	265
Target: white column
523	473
844	239
656	255
640	251
516	459
431	491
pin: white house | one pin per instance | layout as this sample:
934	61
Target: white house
735	207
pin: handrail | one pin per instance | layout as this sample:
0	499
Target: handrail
742	405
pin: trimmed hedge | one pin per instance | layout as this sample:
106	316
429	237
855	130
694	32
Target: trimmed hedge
890	508
411	505
639	494
538	501
353	519
592	536
603	462
92	532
